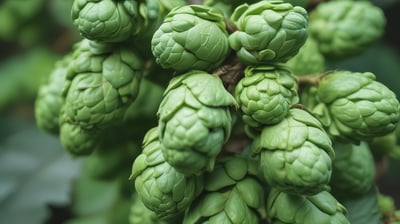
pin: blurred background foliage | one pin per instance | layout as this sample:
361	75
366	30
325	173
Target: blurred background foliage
39	181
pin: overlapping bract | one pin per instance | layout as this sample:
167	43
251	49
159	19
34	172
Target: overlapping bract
76	140
162	189
194	121
321	208
232	194
268	31
353	170
102	81
265	94
358	106
296	154
346	28
191	37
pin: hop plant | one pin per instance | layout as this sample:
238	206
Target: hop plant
320	208
194	121
353	169
268	31
76	140
346	28
359	110
162	188
295	154
232	193
102	81
191	37
265	94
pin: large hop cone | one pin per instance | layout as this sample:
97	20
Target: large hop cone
353	169
49	101
102	82
232	194
194	121
321	208
296	154
162	189
346	28
357	106
265	94
191	37
268	31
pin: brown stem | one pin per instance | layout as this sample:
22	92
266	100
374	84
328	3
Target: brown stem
230	73
310	80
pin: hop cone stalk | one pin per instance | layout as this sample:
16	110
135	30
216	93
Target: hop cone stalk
268	31
162	189
321	208
194	121
232	194
346	28
353	169
295	154
191	37
357	106
102	82
265	94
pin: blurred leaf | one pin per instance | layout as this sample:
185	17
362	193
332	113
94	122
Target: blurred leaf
363	209
35	172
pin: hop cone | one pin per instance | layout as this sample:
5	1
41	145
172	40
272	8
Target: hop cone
353	169
296	154
191	37
162	189
194	121
107	20
346	28
232	194
265	94
76	140
103	81
268	31
358	106
321	208
49	101
309	60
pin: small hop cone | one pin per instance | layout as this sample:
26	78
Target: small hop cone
192	37
265	94
76	140
321	208
353	169
162	189
268	31
346	28
102	82
361	109
49	100
296	154
232	194
194	121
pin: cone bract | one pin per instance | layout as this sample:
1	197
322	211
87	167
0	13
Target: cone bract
194	121
265	94
268	31
296	154
76	140
191	37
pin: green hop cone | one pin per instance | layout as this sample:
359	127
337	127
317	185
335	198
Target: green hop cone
309	60
103	81
346	28
162	189
191	37
194	121
107	20
77	141
353	169
49	101
357	106
232	194
268	31
296	154
321	208
265	94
